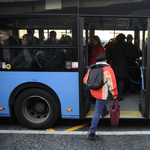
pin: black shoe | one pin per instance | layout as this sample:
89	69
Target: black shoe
92	136
105	114
121	99
134	91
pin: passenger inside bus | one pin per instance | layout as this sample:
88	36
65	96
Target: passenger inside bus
97	49
66	53
52	39
9	53
120	56
66	40
108	46
30	32
27	40
24	56
133	66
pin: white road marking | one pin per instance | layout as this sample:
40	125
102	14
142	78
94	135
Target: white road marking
74	132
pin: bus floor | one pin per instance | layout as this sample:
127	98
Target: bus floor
129	106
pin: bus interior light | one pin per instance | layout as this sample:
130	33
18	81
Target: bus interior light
69	109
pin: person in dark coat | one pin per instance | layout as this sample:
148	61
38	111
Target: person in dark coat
133	69
120	55
108	46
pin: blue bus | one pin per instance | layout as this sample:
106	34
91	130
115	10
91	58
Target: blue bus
44	55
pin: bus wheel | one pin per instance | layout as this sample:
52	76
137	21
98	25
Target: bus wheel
36	109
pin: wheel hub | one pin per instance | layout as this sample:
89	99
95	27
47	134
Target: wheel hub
39	107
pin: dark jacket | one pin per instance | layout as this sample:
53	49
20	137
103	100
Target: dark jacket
120	59
133	49
108	48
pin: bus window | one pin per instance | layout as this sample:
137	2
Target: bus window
28	33
42	30
47	59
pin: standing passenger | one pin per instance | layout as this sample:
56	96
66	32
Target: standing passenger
97	49
27	40
52	39
102	94
35	40
120	55
108	46
131	63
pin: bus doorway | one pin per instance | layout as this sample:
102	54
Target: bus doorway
144	100
133	105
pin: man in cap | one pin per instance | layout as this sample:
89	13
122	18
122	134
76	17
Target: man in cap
131	62
102	94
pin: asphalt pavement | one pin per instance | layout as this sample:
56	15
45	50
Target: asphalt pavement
136	136
73	142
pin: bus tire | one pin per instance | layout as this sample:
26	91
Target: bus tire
36	109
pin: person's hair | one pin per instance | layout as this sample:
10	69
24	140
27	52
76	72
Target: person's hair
129	37
120	37
98	40
52	34
28	37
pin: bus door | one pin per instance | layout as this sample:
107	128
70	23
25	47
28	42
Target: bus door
145	73
83	66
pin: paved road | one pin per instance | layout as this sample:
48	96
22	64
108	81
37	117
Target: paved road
59	139
73	142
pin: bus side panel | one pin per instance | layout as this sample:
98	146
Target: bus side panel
65	84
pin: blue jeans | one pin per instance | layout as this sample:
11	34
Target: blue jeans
100	107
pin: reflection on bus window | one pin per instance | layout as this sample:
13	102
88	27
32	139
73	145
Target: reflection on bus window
41	59
42	31
24	40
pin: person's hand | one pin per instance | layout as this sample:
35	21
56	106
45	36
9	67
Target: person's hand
115	98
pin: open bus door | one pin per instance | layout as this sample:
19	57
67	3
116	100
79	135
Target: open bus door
145	72
86	45
144	105
83	66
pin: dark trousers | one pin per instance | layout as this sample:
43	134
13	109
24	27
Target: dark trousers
131	85
120	86
134	77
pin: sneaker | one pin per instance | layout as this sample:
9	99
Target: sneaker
92	136
105	114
